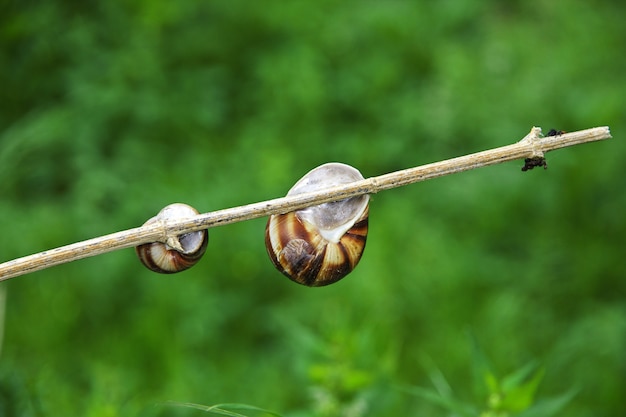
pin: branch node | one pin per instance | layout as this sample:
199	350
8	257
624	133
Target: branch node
533	138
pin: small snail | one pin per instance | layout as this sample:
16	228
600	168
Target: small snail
180	252
319	245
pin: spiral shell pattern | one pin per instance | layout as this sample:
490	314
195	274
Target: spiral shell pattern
320	245
300	252
165	259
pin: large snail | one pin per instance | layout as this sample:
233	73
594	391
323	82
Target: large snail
320	245
179	253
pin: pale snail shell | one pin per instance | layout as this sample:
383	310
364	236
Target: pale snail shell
320	245
163	257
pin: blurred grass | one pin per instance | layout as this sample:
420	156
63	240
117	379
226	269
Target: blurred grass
109	111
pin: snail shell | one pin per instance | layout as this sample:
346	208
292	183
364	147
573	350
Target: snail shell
319	245
179	253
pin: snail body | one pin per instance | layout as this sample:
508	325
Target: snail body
178	253
320	245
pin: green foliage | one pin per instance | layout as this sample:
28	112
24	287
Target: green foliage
512	395
111	110
225	409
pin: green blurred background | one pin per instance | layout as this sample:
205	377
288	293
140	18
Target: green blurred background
111	110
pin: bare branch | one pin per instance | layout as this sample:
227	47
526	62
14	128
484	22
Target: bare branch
533	145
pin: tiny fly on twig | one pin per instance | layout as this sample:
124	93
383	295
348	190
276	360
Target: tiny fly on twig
554	132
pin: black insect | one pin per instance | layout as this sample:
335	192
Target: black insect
554	132
537	161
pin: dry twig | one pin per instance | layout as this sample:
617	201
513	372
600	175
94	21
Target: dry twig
532	146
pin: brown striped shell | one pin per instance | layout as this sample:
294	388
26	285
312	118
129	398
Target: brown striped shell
320	245
162	257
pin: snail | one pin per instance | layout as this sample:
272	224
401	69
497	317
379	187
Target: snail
320	245
178	253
